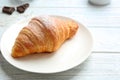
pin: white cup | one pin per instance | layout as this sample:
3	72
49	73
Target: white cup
100	2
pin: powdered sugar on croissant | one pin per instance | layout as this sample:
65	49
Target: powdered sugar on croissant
43	34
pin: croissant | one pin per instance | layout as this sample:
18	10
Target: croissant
43	34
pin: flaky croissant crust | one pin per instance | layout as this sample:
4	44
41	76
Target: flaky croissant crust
43	34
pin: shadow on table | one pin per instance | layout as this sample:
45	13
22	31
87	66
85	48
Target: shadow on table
16	74
93	6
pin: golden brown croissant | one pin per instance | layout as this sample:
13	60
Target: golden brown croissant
43	34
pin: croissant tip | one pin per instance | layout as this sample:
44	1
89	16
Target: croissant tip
16	55
13	55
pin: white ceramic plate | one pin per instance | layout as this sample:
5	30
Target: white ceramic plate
72	53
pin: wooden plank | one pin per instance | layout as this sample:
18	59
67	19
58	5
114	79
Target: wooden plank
106	39
97	66
90	17
55	3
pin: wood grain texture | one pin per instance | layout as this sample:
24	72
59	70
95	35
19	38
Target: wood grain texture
97	66
55	3
98	17
106	39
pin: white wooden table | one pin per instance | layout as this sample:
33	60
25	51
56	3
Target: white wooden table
102	21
